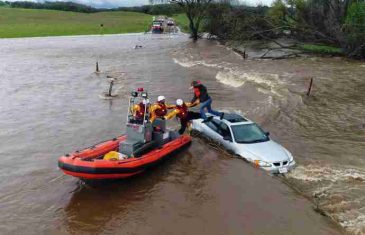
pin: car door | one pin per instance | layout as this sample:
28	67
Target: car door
225	131
211	129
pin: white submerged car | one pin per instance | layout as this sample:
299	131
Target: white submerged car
247	140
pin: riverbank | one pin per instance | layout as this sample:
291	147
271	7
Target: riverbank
281	49
20	23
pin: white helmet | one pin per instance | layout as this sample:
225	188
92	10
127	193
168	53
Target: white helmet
146	101
160	98
179	102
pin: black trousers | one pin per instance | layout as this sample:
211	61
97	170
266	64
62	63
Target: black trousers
185	121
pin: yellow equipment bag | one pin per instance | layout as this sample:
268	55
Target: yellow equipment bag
112	156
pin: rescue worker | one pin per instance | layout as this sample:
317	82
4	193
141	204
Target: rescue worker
139	110
202	97
182	112
159	109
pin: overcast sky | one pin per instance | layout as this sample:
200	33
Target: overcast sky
118	3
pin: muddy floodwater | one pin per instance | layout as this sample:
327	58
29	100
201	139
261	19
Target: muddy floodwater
52	102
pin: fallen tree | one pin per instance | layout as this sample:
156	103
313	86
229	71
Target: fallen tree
339	23
323	23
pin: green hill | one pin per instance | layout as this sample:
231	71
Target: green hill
15	22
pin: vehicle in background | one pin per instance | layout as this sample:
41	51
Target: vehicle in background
246	139
157	27
170	22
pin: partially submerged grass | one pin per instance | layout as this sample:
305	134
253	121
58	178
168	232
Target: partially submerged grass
16	22
321	49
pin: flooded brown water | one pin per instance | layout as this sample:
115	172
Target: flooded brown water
325	132
51	104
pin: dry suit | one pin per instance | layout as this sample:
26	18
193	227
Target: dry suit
184	115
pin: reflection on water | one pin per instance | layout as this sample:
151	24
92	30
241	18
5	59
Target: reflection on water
51	105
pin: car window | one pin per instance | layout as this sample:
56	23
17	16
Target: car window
249	133
224	130
220	127
214	125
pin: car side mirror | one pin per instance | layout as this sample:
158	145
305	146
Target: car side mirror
227	138
267	133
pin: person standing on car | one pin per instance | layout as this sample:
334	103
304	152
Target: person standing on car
202	97
181	111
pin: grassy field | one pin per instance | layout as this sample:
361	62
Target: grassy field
321	49
15	22
182	21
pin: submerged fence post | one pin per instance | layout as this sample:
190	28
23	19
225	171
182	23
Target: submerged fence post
310	87
97	67
111	87
101	34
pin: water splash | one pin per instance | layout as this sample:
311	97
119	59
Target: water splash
332	197
315	173
189	63
231	79
266	83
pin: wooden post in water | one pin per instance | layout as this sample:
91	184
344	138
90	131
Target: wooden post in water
97	62
111	87
97	67
244	54
310	87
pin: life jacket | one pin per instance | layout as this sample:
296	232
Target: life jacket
161	111
140	111
183	111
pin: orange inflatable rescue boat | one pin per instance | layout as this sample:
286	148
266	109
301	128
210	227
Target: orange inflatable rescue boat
144	145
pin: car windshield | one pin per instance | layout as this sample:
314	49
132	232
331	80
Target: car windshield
249	133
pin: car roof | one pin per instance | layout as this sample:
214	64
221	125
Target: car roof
234	119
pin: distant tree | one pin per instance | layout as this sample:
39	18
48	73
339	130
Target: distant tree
219	22
336	22
238	22
141	9
278	11
355	29
61	6
156	9
164	9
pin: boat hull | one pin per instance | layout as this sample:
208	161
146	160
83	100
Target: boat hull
88	165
